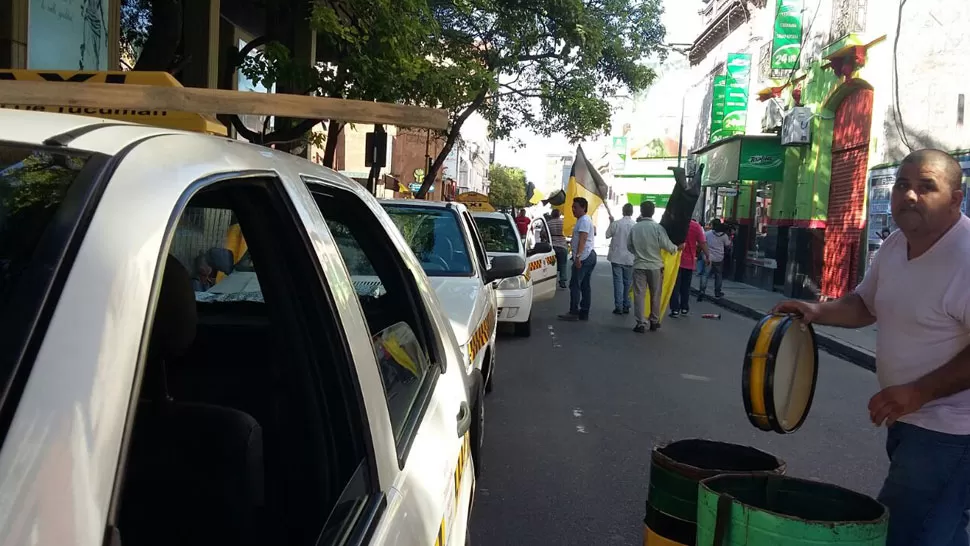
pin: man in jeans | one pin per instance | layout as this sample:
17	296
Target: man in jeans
916	292
559	245
621	259
680	298
717	242
584	260
647	239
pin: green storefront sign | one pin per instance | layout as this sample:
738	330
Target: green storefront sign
659	199
786	44
717	108
761	159
736	93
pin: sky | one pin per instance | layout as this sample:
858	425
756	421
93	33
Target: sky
531	157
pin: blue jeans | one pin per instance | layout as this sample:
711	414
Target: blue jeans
927	490
579	290
562	264
622	280
680	297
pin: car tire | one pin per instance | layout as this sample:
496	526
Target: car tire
477	430
524	329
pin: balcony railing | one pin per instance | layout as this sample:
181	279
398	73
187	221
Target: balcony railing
848	17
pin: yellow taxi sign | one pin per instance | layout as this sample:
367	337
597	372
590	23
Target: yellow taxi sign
186	121
475	201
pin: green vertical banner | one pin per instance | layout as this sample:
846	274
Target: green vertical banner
736	93
717	107
786	44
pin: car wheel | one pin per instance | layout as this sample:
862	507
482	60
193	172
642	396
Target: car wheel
524	329
477	432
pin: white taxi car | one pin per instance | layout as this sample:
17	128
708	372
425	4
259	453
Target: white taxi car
167	380
538	279
446	241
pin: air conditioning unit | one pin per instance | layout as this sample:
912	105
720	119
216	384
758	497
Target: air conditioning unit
774	115
796	128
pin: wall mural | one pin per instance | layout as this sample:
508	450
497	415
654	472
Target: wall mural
67	35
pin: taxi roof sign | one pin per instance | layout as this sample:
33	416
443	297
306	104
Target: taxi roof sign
141	95
475	201
172	119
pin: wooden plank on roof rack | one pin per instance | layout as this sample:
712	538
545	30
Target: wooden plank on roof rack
218	101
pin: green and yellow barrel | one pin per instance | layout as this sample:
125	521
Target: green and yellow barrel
763	509
779	374
675	471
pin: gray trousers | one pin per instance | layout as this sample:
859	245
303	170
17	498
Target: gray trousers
644	279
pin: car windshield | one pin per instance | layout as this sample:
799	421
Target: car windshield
435	238
498	233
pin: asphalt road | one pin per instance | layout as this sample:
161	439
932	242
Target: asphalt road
578	407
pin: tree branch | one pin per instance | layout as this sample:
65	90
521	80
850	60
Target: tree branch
453	134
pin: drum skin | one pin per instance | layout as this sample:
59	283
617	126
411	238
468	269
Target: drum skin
780	373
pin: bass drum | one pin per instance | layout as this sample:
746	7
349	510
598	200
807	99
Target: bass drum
780	373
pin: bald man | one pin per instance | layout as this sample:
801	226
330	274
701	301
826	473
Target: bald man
918	291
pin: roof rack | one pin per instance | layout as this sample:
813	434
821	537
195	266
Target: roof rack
156	98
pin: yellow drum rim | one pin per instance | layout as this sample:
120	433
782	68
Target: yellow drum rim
757	385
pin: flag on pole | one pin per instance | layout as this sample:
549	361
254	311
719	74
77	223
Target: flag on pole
584	181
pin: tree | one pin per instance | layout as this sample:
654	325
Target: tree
547	65
506	186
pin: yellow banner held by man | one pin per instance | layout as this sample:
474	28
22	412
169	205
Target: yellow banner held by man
185	121
586	182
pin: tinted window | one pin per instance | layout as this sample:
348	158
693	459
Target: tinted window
498	234
33	185
435	238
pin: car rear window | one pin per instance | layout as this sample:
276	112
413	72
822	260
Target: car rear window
33	186
435	238
499	234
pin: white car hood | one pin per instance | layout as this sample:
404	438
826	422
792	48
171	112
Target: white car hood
461	301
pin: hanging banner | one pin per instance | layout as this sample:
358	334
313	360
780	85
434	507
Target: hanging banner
736	93
717	108
786	44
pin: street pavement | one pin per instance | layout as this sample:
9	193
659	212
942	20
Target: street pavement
578	407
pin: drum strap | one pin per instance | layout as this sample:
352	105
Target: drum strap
722	519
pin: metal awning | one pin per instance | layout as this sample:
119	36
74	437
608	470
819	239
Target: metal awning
742	157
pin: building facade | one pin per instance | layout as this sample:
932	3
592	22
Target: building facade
806	106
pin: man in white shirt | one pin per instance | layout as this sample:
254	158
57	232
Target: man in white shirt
717	242
584	260
918	292
621	260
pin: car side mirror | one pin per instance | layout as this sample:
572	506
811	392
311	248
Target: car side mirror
504	267
540	248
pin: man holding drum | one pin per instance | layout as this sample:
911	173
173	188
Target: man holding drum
918	291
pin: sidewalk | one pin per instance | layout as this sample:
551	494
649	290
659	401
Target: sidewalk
856	346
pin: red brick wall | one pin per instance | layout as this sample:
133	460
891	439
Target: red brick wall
408	154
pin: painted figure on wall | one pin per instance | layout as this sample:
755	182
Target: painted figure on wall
94	35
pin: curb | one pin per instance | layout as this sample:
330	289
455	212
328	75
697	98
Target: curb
835	347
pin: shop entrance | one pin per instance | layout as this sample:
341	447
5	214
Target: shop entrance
846	213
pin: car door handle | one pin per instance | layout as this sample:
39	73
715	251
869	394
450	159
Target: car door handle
464	419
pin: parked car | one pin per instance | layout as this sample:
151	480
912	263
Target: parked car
211	342
449	247
537	280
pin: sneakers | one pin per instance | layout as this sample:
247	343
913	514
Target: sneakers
684	312
640	328
618	311
569	317
674	313
654	326
626	311
719	294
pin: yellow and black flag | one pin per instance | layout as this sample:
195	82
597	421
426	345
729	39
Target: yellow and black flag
584	181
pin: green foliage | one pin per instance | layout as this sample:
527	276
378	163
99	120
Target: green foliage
506	186
135	25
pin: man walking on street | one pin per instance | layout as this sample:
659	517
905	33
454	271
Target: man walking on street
680	299
717	242
522	222
621	259
647	239
558	245
916	292
584	260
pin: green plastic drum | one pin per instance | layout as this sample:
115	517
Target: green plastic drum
675	471
762	509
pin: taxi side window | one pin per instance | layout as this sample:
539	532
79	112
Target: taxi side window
402	338
538	233
476	241
248	428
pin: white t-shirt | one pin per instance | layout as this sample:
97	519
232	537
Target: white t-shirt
584	224
922	310
716	243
